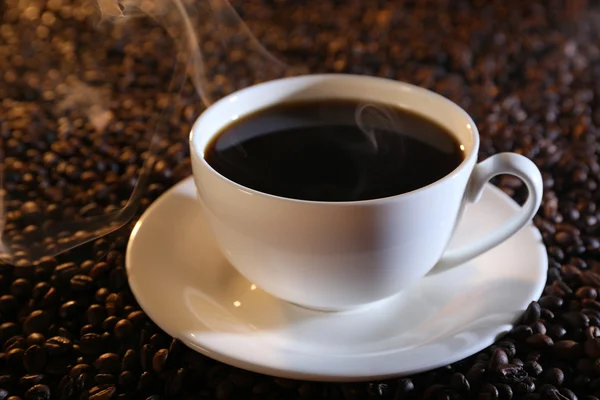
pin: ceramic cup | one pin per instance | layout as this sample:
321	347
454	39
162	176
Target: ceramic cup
340	255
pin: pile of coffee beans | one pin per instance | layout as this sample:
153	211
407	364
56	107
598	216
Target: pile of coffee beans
527	71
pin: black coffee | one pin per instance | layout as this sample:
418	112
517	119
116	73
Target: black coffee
334	151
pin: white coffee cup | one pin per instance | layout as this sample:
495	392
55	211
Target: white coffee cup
340	255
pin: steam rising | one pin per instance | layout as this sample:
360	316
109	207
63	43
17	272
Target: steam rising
196	25
215	50
372	117
209	24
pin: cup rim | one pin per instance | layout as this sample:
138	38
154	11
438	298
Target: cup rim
197	152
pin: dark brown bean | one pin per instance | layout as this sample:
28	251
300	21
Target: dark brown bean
102	392
554	376
38	392
108	363
532	313
36	338
99	270
37	322
540	341
511	373
159	360
58	345
66	271
538	328
498	359
66	387
96	314
533	368
81	283
123	329
35	358
587	292
30	380
91	343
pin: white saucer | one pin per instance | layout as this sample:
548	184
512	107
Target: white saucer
184	284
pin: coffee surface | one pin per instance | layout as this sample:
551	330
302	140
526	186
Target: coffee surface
334	150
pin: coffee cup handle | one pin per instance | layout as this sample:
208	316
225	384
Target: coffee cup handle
502	163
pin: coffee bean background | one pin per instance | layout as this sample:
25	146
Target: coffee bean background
527	71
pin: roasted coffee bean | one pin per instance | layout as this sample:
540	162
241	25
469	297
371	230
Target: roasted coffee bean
526	386
66	387
538	328
459	383
587	292
50	299
130	361
568	394
547	315
102	392
15	342
38	392
554	376
21	288
8	304
475	375
146	381
540	341
556	332
8	330
35	358
96	314
551	302
91	343
108	363
123	329
14	359
36	338
30	380
576	319
37	322
101	295
137	317
521	332
532	313
533	368
127	380
81	283
58	345
508	347
511	373
39	290
159	360
498	358
109	323
66	271
99	270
